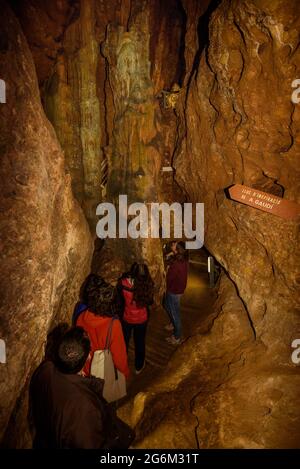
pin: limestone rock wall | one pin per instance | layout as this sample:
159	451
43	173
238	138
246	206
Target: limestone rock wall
166	415
72	105
65	40
238	125
132	147
102	70
45	240
44	25
242	127
81	96
102	67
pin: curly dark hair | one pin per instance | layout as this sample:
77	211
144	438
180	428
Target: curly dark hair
143	285
99	296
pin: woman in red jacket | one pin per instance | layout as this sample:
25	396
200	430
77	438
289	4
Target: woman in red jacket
136	287
100	299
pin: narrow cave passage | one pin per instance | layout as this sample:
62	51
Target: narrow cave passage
196	308
165	102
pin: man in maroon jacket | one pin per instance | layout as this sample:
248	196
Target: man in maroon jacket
176	284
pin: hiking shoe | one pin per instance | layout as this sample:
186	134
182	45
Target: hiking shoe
137	372
169	327
172	340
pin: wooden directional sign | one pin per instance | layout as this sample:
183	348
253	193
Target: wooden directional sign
263	201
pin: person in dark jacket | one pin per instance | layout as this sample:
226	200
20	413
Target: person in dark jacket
68	409
137	289
177	272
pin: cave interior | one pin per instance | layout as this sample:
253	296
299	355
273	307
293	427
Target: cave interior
164	101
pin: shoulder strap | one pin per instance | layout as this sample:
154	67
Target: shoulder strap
109	333
130	289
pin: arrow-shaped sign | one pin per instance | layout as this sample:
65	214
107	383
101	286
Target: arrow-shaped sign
263	201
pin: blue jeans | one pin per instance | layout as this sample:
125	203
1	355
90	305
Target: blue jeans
172	305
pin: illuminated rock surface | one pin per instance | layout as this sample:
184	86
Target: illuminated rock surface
241	126
45	240
103	72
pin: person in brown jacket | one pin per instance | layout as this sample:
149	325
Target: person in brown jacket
68	409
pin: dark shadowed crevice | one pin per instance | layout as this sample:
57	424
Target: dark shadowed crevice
181	65
59	21
203	35
244	304
172	27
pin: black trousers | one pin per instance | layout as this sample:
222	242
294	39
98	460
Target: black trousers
139	337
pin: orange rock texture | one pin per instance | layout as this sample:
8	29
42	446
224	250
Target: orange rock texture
242	127
239	126
105	71
44	234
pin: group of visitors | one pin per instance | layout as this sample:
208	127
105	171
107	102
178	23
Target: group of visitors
68	407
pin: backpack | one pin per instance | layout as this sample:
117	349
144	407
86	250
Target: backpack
103	367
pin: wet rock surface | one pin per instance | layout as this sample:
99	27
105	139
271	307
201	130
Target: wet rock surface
240	126
104	73
45	240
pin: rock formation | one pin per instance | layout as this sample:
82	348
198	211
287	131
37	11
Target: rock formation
72	105
240	126
134	154
104	70
45	240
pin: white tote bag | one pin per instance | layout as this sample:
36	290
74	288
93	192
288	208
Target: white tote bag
103	367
